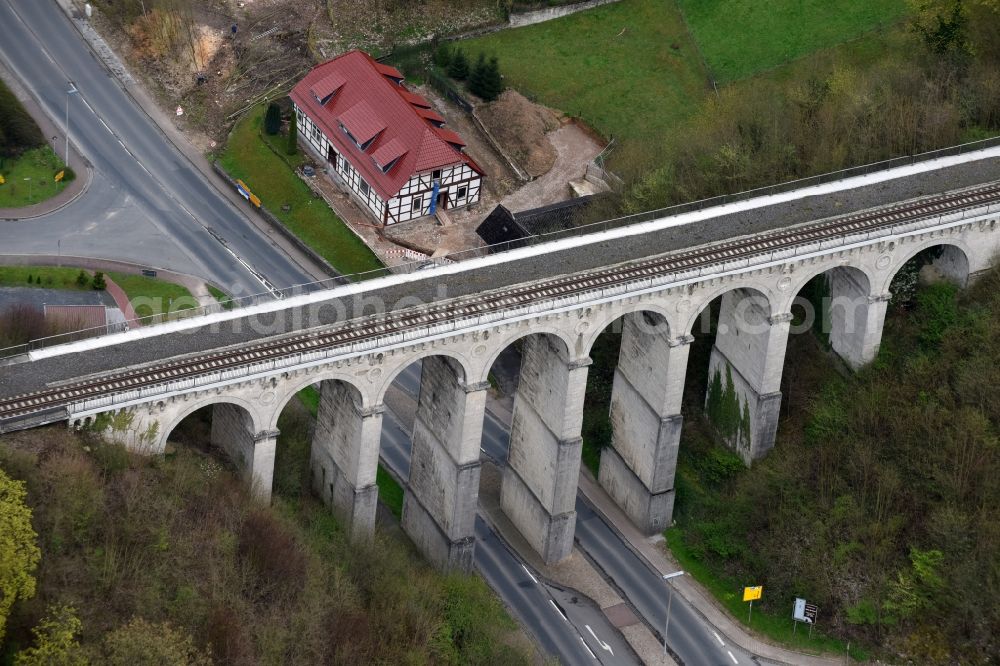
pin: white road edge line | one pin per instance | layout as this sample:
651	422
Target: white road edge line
730	653
587	648
718	639
559	611
533	579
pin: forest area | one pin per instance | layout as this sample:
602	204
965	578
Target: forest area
111	558
879	501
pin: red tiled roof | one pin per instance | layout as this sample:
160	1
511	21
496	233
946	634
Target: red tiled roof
449	136
327	85
431	115
373	106
389	151
362	122
387	70
415	99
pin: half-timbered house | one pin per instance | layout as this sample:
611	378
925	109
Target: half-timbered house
386	143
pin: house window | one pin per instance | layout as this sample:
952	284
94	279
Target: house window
416	204
462	192
436	175
364	188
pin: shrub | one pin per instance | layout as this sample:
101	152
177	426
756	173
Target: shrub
142	642
99	283
272	119
273	553
82	279
68	175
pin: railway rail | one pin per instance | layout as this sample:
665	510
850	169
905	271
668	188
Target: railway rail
49	401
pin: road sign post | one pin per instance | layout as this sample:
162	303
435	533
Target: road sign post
750	594
803	611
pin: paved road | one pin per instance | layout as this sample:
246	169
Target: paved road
691	639
564	625
147	203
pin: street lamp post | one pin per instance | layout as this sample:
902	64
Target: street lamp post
29	189
71	90
670	599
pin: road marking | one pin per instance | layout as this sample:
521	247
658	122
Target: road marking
587	648
730	653
533	579
559	610
718	639
604	646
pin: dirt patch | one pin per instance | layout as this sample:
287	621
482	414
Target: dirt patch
520	126
574	149
189	56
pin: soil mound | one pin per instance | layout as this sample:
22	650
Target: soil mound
520	126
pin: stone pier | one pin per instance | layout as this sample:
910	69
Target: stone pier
439	508
743	400
638	468
344	456
856	316
251	451
539	483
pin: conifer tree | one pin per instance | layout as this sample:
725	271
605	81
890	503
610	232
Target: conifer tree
458	68
272	119
293	136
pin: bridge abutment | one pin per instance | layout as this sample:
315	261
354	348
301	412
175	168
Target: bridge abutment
743	400
344	456
442	493
538	492
638	468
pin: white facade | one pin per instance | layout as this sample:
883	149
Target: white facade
458	184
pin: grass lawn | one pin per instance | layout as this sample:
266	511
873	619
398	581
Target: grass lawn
741	37
269	177
149	296
49	277
38	164
629	69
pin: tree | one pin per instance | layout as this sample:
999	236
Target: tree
442	56
458	69
82	279
100	284
55	641
478	76
272	119
943	25
293	136
19	553
493	81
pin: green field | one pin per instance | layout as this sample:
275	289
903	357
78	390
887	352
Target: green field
739	38
40	165
269	177
629	69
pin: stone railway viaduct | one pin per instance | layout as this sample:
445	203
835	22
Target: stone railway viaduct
657	278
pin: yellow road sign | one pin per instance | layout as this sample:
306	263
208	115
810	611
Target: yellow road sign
752	593
2	181
59	176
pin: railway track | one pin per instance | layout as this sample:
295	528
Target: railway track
46	400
